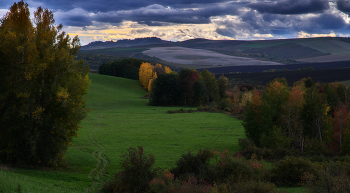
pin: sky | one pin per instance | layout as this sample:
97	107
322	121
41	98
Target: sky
179	20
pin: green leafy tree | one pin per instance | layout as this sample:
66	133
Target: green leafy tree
222	86
314	113
185	85
257	119
42	88
212	91
198	93
165	90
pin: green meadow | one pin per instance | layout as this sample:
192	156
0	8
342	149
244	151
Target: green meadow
120	118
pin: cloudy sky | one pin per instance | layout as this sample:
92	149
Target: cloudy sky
179	20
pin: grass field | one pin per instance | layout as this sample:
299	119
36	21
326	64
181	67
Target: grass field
263	45
347	83
334	47
121	119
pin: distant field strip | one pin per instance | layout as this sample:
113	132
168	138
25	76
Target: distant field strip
328	58
334	47
263	45
202	57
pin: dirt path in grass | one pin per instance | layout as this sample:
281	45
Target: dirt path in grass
102	159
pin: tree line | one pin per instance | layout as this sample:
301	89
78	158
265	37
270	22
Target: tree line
126	68
306	117
188	87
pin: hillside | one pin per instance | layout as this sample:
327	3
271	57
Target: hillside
120	119
123	43
194	53
317	75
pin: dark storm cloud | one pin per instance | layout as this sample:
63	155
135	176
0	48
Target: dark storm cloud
226	32
343	5
291	6
154	15
282	25
329	21
117	5
78	20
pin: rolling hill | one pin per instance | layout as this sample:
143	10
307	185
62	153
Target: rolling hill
203	53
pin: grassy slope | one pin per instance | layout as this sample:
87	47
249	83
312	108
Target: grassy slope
334	47
127	122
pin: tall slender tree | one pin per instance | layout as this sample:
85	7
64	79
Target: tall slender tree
42	87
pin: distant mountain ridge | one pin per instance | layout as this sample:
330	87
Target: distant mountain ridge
123	43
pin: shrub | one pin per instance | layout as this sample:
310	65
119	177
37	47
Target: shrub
190	164
233	170
224	103
137	172
192	185
332	179
255	187
156	185
231	167
164	182
288	172
245	143
246	186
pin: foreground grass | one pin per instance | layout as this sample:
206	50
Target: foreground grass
121	119
36	181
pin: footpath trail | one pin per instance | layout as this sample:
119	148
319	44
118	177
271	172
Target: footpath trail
102	159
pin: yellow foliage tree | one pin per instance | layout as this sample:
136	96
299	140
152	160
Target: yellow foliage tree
167	70
246	97
145	74
149	73
150	84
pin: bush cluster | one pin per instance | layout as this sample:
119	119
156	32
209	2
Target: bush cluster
138	171
223	172
207	171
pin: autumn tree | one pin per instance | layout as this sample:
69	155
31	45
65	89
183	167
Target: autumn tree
234	94
275	95
246	97
187	78
341	116
148	73
145	74
257	119
291	117
150	83
42	87
262	116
